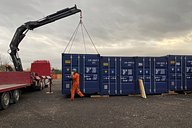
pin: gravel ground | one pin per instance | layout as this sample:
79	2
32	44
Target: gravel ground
41	110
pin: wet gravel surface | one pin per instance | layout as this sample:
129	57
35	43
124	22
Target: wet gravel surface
41	110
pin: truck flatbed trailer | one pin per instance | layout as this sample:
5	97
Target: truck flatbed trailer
10	85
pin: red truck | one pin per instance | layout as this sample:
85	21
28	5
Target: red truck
11	83
40	75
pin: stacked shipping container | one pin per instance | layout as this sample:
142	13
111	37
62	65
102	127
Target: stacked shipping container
119	75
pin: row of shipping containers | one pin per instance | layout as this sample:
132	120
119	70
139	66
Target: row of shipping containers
119	75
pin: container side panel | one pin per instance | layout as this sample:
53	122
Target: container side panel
87	65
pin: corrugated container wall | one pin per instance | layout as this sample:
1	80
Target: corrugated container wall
127	75
180	73
188	73
153	72
175	73
87	66
109	76
117	75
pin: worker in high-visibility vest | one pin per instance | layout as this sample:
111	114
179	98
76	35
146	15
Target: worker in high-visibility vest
75	86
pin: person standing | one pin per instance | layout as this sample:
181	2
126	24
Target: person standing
75	85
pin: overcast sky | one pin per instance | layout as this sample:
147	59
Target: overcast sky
117	27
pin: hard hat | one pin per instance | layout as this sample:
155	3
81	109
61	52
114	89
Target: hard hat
74	70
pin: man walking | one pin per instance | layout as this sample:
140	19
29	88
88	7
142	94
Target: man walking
75	86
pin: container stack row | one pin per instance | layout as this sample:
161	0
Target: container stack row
119	75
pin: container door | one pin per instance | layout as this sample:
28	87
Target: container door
160	75
144	72
87	66
127	74
69	62
175	73
90	64
188	73
109	75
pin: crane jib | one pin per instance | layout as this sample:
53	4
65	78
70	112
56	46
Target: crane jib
23	29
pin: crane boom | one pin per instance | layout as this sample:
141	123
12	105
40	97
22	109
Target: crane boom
23	29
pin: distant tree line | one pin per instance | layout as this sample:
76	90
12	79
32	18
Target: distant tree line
4	64
56	71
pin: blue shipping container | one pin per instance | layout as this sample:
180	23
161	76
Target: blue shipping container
188	73
180	73
175	67
109	75
153	72
127	75
87	65
117	75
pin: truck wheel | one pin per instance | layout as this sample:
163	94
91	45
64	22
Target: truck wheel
5	100
16	96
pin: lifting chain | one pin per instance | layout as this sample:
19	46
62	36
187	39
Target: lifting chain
72	39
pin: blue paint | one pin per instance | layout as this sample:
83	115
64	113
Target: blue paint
107	75
87	66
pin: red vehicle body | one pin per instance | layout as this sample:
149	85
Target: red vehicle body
12	82
41	67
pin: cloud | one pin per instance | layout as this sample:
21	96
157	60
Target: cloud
126	27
